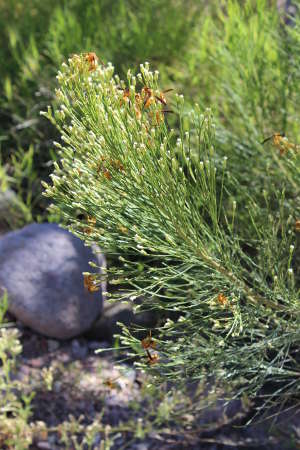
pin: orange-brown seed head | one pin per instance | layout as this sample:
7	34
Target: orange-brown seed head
148	342
222	299
92	60
152	358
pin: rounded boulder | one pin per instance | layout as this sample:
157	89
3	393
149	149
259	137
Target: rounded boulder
41	269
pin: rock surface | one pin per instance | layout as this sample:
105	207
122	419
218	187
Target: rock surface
41	268
79	349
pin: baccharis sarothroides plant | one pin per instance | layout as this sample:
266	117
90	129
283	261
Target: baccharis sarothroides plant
222	275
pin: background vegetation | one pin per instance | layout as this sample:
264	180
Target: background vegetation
39	36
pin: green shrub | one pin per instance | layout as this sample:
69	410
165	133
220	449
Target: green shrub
223	265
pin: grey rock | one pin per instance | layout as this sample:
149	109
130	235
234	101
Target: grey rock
41	269
52	345
79	349
20	325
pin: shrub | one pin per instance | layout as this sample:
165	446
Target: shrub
218	257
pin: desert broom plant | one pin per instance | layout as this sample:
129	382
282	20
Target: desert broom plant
220	272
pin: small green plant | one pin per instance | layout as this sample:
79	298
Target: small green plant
217	260
19	187
15	407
